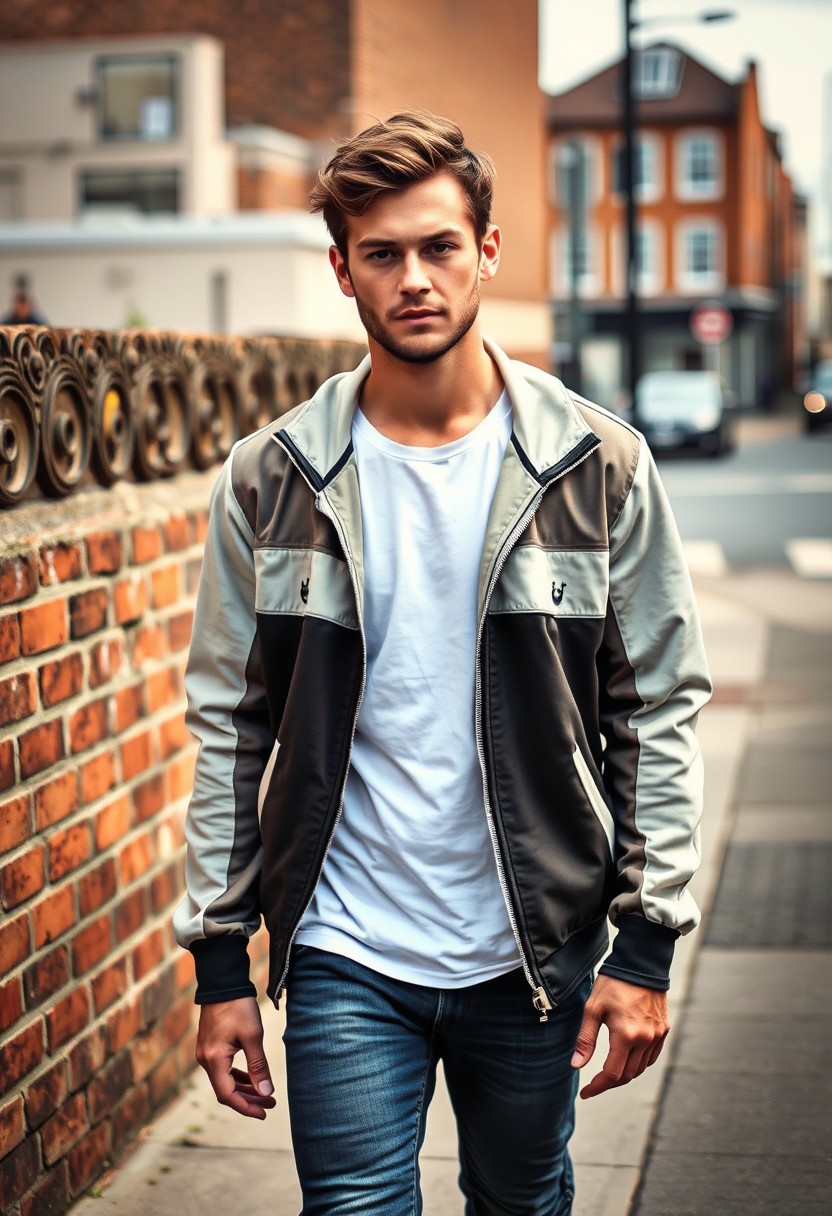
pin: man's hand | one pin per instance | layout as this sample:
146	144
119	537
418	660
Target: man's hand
225	1029
636	1019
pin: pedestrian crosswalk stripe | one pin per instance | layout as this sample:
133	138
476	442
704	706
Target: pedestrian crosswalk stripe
705	557
810	557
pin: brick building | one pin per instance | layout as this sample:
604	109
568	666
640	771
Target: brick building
293	75
717	219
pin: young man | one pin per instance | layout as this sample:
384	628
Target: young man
445	673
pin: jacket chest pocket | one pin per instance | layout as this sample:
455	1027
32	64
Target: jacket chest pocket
304	582
557	582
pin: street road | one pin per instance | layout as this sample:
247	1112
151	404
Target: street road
767	504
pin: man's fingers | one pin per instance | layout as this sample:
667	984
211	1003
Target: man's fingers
587	1036
258	1068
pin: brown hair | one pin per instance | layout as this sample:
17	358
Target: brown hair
407	148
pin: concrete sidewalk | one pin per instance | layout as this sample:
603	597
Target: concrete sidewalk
199	1157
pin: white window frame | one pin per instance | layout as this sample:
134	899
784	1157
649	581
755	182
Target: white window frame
689	190
594	168
697	282
651	282
668	78
646	192
559	271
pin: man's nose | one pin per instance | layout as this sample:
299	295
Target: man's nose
414	277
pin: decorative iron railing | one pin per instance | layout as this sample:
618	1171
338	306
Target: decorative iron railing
91	407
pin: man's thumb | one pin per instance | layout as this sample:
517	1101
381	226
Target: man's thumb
258	1069
587	1037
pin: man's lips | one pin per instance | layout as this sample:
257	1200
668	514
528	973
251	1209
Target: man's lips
417	314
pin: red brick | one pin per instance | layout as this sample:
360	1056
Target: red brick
11	1125
18	578
44	627
18	697
98	776
185	974
88	1159
108	1088
130	599
110	984
7	777
146	1051
199	525
104	553
88	725
51	1195
178	1020
148	954
180	627
46	1093
148	798
40	748
21	1053
46	976
164	889
173	736
165	585
113	823
11	1002
64	1129
163	1081
14	943
136	755
147	545
15	822
193	569
124	1024
97	887
87	1057
129	706
69	1016
129	1116
61	679
91	945
158	996
88	612
20	1170
150	642
53	916
9	637
22	878
68	849
60	564
130	913
55	800
136	858
170	835
164	688
177	534
105	662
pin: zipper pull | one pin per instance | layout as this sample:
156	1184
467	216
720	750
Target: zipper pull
541	1003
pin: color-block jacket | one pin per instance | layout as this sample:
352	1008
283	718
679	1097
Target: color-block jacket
590	675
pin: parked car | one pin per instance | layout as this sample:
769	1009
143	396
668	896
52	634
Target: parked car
817	402
678	409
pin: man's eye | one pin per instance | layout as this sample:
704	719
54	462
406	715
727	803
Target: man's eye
442	247
381	255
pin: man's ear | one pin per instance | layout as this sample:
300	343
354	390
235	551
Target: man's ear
490	253
339	264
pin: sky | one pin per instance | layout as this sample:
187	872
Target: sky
791	41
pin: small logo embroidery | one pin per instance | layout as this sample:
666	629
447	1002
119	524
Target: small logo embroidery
557	592
304	591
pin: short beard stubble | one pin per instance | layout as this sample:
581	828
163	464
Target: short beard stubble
380	332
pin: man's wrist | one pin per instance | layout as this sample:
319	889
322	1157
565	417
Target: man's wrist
641	953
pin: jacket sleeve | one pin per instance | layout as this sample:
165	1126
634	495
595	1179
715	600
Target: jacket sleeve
654	680
227	714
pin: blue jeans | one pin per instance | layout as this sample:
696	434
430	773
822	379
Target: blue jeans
361	1056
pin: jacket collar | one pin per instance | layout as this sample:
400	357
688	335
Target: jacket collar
548	431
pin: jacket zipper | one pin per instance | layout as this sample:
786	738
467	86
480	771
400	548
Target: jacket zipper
541	999
320	499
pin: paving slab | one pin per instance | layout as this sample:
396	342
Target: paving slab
720	1184
773	1046
783	822
762	981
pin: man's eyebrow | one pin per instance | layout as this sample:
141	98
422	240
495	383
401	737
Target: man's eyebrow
374	242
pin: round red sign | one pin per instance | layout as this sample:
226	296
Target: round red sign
711	324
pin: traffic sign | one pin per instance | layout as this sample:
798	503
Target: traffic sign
711	324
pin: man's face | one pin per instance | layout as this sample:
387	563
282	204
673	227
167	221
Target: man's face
414	267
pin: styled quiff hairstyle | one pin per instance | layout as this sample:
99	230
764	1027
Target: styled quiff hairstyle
408	148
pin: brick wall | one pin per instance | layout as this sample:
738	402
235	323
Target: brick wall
96	1011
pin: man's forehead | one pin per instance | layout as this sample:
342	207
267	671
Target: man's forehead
436	205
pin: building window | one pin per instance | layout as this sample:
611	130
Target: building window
650	258
646	167
137	97
699	166
699	251
561	264
658	72
562	154
142	191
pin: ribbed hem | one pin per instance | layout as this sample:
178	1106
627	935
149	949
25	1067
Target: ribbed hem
642	953
221	969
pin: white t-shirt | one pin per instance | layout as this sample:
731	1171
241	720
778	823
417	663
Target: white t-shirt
410	887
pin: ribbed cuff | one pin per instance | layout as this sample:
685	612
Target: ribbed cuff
221	969
642	953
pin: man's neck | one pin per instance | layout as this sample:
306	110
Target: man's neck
429	404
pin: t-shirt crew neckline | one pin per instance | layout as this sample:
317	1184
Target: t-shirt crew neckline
404	451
